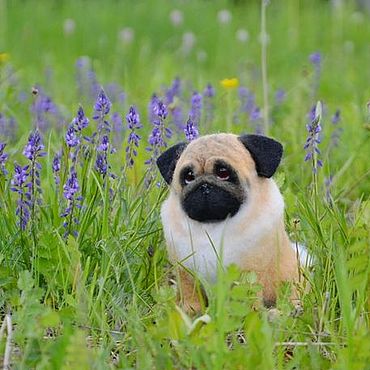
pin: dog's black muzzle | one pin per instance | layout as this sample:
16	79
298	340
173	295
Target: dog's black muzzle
210	203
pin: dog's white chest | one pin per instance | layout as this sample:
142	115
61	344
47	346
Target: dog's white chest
206	249
203	247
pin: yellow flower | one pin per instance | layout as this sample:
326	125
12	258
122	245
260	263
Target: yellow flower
4	57
229	83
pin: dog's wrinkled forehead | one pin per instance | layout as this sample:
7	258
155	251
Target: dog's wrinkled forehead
204	151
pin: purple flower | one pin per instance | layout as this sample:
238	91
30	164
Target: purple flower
104	145
71	187
160	110
102	104
191	131
101	109
101	164
209	91
247	100
71	137
313	139
34	148
22	187
174	90
133	124
255	115
315	58
311	114
336	117
159	132
157	137
56	163
3	159
280	96
45	111
152	115
80	121
70	190
178	117
133	119
74	136
56	166
196	108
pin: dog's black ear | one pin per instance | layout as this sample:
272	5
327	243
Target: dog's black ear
265	152
166	162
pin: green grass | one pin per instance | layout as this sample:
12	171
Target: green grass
102	299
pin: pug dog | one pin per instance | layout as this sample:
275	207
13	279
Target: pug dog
224	207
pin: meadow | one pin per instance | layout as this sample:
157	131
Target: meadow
91	93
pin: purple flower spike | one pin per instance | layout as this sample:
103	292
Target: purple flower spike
133	124
209	91
280	96
101	164
313	139
174	90
161	110
3	159
22	187
102	104
34	147
315	58
104	145
247	100
71	187
80	121
72	139
33	151
133	119
152	108
70	190
56	166
336	117
101	109
45	111
157	138
196	108
191	131
255	115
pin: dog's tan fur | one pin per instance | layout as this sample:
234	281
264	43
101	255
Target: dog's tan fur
269	253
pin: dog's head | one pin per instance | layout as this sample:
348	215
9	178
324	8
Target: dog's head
212	175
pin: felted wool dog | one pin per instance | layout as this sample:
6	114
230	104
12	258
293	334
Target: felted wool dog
224	207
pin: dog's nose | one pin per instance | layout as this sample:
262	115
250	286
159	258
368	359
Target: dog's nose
206	188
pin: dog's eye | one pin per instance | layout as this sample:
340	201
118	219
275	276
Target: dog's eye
223	173
189	177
